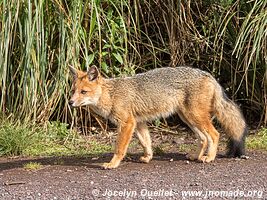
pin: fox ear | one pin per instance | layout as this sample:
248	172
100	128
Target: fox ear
73	71
92	73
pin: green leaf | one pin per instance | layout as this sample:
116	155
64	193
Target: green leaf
104	53
90	59
105	67
118	57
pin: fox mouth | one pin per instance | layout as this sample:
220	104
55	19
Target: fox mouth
76	105
83	102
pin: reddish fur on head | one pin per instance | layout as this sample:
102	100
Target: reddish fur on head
86	87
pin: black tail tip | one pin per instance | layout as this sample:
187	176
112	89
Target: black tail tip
236	148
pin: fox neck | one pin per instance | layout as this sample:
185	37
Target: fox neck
104	104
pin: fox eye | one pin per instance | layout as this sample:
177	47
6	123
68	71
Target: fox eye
83	91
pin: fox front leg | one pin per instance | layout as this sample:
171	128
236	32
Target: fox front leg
145	140
125	133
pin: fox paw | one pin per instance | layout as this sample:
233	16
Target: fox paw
206	159
110	165
145	159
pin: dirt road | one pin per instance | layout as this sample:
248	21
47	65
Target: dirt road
168	176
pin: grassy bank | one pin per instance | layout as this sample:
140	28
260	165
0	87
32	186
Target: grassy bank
55	139
52	139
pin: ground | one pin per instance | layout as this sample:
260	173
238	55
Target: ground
168	176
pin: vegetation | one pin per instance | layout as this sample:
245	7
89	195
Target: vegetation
32	166
40	39
258	141
47	140
55	139
14	138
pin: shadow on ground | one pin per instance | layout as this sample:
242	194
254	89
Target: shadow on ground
91	161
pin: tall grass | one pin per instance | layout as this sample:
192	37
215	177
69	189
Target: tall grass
40	39
227	38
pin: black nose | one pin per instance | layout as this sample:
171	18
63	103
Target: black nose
71	102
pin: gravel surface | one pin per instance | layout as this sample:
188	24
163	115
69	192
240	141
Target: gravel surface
169	176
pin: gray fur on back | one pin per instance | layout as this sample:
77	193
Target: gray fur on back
164	88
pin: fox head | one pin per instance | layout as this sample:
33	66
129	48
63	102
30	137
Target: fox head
86	87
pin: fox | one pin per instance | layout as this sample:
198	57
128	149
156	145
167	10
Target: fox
131	102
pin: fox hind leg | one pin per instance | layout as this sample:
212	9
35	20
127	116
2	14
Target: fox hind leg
202	139
196	111
213	141
209	140
145	140
202	145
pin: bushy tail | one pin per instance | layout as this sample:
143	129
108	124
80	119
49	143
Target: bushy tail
233	122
